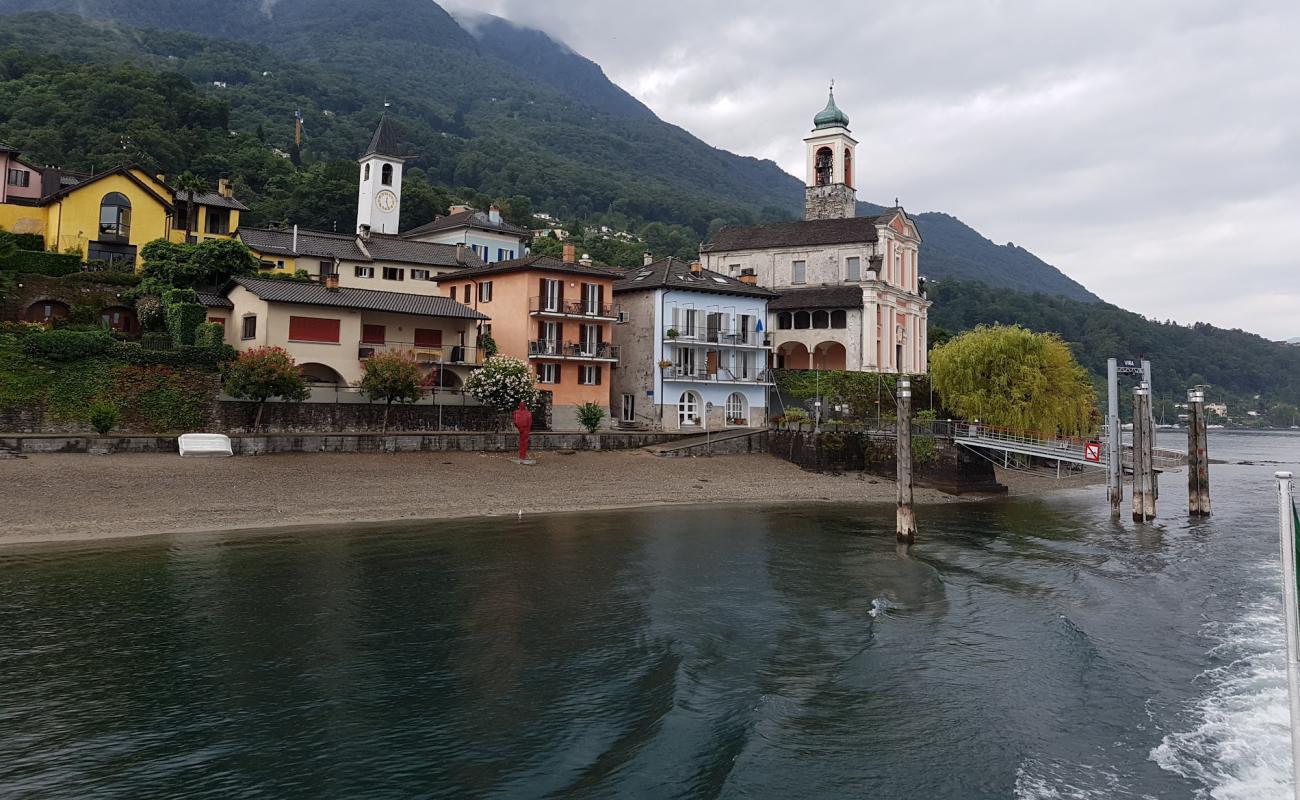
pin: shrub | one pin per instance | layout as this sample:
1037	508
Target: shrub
33	262
590	416
106	278
183	319
262	373
103	417
29	241
392	377
503	383
174	296
68	345
203	358
488	345
210	335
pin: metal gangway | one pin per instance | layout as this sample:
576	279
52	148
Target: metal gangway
1072	450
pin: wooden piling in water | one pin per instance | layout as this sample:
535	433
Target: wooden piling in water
906	517
1198	458
1144	490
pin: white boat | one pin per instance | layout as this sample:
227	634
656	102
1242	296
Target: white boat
204	444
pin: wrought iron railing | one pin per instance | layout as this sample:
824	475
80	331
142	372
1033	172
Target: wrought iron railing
423	353
579	350
571	308
717	375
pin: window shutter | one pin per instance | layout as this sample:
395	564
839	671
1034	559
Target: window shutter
600	334
600	300
541	294
676	315
541	331
557	373
559	292
598	371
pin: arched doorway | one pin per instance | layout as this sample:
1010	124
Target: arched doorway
688	410
830	355
45	311
319	373
121	319
792	355
737	409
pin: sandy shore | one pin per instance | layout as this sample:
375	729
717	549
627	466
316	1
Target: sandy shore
53	498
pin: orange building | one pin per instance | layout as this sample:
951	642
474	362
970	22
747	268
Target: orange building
555	314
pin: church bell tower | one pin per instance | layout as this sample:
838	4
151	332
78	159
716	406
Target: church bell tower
829	192
379	200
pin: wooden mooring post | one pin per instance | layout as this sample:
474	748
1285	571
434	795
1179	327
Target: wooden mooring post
1144	489
1198	457
906	519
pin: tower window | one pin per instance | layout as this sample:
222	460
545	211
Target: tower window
823	165
848	167
365	176
386	175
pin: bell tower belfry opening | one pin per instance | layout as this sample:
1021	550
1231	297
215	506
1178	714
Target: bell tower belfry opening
829	192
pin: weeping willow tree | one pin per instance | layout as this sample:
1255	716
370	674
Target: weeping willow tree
1012	377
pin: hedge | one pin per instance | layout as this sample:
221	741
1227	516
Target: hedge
34	262
69	345
183	319
210	334
204	358
29	241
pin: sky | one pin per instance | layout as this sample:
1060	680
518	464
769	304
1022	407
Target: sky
1150	150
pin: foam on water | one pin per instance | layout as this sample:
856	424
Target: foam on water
882	605
1042	780
1240	746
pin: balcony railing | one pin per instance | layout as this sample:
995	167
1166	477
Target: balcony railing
601	351
724	336
424	354
571	308
718	375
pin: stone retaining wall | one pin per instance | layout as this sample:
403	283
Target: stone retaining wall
950	469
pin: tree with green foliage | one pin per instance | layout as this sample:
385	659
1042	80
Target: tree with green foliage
502	383
1012	377
392	377
262	373
591	416
208	264
192	185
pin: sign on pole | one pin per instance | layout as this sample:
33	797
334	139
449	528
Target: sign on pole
1092	452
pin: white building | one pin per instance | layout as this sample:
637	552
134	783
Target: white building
488	236
851	295
696	357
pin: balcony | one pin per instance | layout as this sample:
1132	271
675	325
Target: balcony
727	337
700	374
571	309
447	354
573	351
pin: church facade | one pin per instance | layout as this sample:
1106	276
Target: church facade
851	294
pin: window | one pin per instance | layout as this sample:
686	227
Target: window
501	254
784	320
839	318
552	294
797	271
688	409
802	320
485	292
548	373
115	217
548	338
734	268
589	375
373	334
822	166
736	408
394	274
629	408
328	267
593	299
250	327
590	338
853	269
386	175
279	264
364	272
821	320
19	177
421	275
747	332
217	321
685	362
365	172
848	167
426	337
313	329
123	254
218	220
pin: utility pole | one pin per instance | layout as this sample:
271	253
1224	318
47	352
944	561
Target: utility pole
1198	459
1114	439
1144	499
906	518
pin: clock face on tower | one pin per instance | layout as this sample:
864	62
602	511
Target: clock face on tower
386	200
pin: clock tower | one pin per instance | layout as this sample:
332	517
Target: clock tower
379	200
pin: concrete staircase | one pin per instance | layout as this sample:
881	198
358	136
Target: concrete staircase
724	442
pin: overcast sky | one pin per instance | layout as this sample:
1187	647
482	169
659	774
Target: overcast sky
1150	150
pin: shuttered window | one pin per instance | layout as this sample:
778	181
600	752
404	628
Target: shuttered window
373	334
425	337
313	329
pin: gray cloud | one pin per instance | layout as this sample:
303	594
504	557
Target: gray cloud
1151	150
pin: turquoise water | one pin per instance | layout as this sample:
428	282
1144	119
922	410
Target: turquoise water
1029	648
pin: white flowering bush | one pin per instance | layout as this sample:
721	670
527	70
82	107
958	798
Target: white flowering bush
501	383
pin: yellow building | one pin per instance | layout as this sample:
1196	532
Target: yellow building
110	216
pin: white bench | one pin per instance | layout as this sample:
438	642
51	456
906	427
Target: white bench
205	444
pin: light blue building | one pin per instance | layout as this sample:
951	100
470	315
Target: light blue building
491	238
697	356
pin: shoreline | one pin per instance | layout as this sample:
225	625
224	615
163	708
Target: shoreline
67	498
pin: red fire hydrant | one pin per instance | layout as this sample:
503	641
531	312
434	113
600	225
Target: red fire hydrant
524	424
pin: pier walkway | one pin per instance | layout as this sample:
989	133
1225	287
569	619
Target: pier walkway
1067	450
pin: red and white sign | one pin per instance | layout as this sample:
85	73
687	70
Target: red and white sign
1092	452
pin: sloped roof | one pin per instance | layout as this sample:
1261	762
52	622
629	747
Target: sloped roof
818	297
806	233
214	300
534	262
673	273
315	294
344	247
4	148
467	219
384	142
213	199
125	172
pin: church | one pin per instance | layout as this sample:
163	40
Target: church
851	294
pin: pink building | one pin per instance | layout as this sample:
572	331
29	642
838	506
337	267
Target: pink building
18	181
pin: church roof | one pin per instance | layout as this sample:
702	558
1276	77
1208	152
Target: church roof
818	297
467	219
831	116
673	273
384	142
808	233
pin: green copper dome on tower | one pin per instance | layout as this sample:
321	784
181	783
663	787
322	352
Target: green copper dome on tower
831	116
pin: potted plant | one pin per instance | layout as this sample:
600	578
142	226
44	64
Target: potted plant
671	333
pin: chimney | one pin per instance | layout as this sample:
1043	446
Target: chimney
696	268
494	213
224	188
162	178
749	278
364	233
570	253
585	260
460	253
295	239
332	281
647	258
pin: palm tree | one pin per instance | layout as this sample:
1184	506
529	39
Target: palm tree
191	184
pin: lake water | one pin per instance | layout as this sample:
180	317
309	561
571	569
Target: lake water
1027	648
